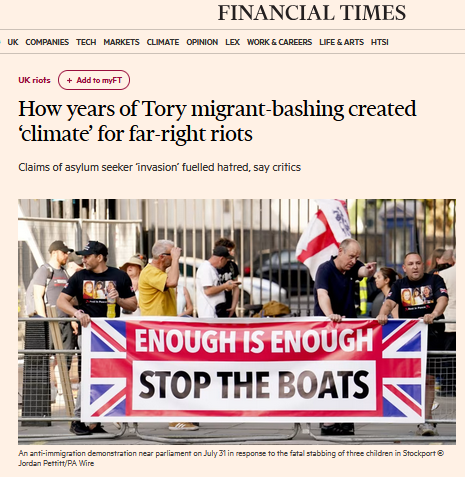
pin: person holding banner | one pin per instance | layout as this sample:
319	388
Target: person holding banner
335	280
430	309
95	261
335	298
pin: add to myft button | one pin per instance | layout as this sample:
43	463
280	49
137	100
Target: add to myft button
93	79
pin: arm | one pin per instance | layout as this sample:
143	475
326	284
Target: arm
64	303
39	292
367	270
441	305
386	309
325	304
214	290
235	301
129	304
173	274
189	310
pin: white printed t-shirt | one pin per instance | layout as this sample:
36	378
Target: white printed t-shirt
207	276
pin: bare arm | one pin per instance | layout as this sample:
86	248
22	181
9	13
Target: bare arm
325	304
173	274
39	292
386	309
235	300
367	271
189	305
441	305
129	304
229	285
64	303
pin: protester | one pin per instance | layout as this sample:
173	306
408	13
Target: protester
384	278
433	306
184	304
95	256
229	272
157	295
133	267
46	285
211	300
157	285
49	280
334	298
435	260
448	381
74	264
447	259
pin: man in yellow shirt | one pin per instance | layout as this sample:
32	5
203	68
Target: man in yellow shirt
157	295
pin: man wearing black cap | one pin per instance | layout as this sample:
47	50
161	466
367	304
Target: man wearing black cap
86	286
210	294
49	280
46	285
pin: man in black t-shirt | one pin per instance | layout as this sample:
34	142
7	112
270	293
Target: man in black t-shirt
335	282
420	295
94	288
230	272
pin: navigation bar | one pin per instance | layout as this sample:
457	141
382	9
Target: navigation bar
234	41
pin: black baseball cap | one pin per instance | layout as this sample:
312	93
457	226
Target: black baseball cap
221	251
60	245
94	248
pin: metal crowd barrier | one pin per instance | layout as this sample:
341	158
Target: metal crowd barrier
41	370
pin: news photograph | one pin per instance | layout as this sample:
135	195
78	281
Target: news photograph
243	335
310	322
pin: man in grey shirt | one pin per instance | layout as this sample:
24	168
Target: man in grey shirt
46	285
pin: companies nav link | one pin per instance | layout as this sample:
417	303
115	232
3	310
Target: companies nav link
196	42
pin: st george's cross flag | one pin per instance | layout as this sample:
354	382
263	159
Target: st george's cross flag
321	239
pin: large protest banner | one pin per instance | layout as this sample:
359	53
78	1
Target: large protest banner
245	370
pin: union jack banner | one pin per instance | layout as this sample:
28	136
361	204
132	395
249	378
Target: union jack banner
159	369
403	342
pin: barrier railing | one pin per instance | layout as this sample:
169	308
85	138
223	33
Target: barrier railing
48	381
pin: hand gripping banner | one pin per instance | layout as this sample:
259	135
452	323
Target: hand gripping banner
247	370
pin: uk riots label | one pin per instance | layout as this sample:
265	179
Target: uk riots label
288	370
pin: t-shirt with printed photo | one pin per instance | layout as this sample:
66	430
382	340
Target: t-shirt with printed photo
91	290
419	298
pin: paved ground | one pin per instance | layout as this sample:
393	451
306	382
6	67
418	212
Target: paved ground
238	434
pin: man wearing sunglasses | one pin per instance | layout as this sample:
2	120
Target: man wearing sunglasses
157	295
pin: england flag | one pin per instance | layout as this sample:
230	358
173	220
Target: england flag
321	239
